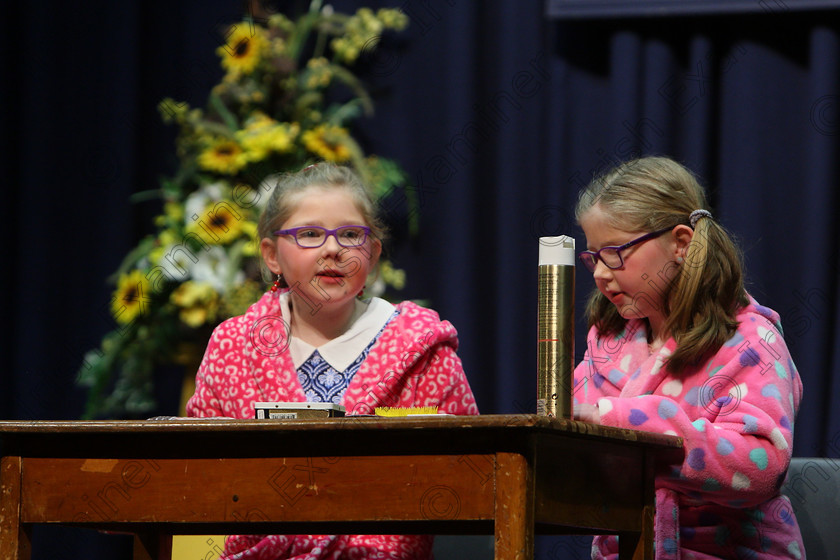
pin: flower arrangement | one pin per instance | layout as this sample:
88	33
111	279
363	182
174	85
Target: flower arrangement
286	99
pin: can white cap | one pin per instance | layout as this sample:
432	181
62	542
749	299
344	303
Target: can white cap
557	250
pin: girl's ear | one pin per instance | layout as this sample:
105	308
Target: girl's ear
682	236
375	252
268	248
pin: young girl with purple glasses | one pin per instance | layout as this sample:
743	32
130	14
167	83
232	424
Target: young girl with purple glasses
677	346
313	338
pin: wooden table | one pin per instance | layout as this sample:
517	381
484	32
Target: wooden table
508	475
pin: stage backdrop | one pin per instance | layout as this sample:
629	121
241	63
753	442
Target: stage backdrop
499	111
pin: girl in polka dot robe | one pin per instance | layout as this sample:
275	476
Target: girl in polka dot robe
676	346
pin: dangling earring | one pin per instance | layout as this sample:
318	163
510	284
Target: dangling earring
276	285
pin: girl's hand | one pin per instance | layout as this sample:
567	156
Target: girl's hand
587	413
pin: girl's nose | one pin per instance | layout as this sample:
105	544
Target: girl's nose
331	245
601	271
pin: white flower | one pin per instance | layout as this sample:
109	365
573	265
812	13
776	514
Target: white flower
197	202
217	269
265	188
178	261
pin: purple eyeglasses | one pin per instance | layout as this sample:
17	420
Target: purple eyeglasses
611	256
312	237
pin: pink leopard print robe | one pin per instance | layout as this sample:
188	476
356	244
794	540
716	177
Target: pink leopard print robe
413	363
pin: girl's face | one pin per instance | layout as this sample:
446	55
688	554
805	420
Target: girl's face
329	275
637	289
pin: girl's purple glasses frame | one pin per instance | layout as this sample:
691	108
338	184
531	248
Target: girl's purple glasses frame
590	258
357	242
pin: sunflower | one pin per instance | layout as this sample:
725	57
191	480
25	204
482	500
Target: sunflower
263	135
131	298
330	142
220	223
223	156
245	47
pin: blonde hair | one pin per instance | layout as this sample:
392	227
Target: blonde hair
289	187
702	299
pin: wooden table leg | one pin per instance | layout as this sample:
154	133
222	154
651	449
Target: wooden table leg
639	546
632	546
514	510
15	543
152	546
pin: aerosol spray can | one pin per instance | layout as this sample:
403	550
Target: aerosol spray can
555	326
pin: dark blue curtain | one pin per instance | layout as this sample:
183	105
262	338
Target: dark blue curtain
499	113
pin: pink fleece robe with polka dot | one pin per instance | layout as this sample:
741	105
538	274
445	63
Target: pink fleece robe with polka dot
735	413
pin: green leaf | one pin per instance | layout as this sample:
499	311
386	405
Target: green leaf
131	259
229	118
306	100
143	196
355	84
235	255
346	112
302	30
102	369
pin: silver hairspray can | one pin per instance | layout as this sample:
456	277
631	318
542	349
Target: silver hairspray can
555	326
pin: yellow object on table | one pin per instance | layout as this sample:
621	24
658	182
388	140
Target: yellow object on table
197	547
404	411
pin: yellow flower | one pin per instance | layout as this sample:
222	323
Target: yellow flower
363	30
368	23
156	254
240	297
330	142
281	22
393	19
220	223
197	301
223	156
174	210
319	73
167	237
163	243
392	276
346	49
252	248
194	316
278	47
131	298
171	110
245	47
263	135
